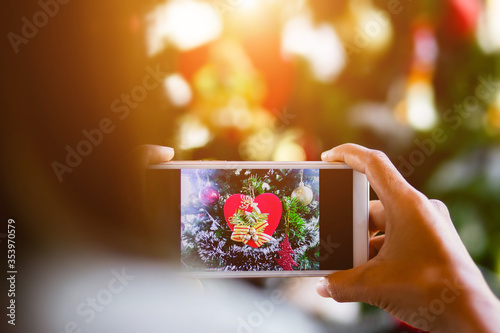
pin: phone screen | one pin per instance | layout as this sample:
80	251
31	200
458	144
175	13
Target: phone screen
251	220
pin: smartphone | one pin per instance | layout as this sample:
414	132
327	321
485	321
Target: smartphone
261	219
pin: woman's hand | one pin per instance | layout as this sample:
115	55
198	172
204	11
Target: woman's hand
420	271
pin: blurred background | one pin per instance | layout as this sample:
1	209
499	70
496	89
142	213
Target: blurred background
274	80
285	80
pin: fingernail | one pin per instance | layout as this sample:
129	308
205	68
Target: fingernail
169	150
324	156
322	288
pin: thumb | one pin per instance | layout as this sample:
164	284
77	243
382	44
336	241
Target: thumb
145	155
345	286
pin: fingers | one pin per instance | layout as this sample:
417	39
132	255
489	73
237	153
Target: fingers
159	154
377	217
145	155
345	286
376	244
384	178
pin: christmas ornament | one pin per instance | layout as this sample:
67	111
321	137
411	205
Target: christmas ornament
253	221
286	261
243	233
303	193
209	196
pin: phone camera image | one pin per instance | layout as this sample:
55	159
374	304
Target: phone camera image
250	220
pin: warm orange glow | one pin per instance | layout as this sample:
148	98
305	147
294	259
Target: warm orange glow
184	23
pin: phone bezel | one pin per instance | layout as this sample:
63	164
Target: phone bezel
360	211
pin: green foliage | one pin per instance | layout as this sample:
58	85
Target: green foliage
292	209
253	186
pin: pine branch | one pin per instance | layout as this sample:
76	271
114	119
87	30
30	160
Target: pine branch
295	221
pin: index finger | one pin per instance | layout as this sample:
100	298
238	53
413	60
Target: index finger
376	217
383	176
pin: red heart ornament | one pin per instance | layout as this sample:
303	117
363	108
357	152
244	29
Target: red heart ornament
267	203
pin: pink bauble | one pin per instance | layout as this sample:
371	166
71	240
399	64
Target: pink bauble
209	196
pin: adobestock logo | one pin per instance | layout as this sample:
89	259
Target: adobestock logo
30	28
90	309
327	248
425	317
121	108
263	310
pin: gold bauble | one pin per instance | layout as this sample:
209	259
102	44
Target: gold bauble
304	194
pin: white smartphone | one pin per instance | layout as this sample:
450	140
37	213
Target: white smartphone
261	219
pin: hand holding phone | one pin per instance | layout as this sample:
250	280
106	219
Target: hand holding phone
420	271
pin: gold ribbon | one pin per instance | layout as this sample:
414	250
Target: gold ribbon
243	233
247	201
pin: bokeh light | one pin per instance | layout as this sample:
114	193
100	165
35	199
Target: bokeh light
319	45
185	24
489	26
421	110
178	90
